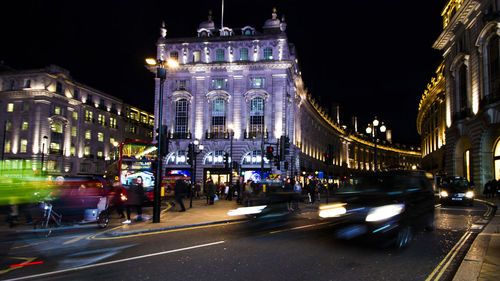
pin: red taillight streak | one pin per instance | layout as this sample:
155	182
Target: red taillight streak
27	263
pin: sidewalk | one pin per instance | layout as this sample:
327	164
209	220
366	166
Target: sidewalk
171	218
201	214
482	261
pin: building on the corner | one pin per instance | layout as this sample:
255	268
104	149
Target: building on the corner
46	114
431	124
240	90
471	52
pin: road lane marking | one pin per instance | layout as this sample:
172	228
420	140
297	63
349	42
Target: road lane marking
116	261
440	268
76	239
299	227
26	260
95	236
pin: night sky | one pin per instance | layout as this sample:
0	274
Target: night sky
373	58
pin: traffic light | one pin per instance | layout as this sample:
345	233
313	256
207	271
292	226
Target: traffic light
190	155
329	155
269	153
226	160
164	141
284	147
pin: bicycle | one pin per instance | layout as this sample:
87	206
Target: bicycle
48	220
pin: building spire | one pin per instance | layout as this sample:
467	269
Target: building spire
163	30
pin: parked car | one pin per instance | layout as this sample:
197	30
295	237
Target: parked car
456	190
389	205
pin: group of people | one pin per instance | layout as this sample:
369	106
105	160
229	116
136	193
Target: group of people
491	188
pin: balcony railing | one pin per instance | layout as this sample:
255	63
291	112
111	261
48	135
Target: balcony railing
180	135
216	135
255	134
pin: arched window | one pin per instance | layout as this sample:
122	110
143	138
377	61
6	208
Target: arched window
218	118
256	125
177	158
268	53
215	158
496	160
494	66
253	158
462	88
181	118
467	165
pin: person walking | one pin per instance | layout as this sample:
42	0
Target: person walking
115	202
210	191
298	189
135	197
180	188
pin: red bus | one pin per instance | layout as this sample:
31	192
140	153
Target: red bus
132	159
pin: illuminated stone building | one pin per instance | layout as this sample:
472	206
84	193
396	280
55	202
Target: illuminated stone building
431	124
470	45
46	112
247	82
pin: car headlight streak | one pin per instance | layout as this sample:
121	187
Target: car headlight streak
444	193
334	210
469	194
384	212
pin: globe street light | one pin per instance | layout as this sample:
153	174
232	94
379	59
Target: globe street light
372	131
161	73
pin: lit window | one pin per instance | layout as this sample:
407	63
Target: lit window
88	135
72	151
24	125
244	54
268	53
24	146
196	56
257	83
7	146
99	154
101	119
10	107
73	131
219	55
57	110
8	125
181	116
219	83
75	115
86	150
56	127
100	137
88	115
112	122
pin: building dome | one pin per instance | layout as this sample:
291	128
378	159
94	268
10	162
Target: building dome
273	22
208	24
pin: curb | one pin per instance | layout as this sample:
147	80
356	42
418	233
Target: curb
471	265
117	234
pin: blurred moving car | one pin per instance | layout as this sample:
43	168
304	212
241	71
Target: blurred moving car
456	190
390	205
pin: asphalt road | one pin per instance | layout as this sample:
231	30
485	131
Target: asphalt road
299	248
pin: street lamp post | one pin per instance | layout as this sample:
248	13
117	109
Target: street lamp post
43	153
197	149
161	73
231	136
372	131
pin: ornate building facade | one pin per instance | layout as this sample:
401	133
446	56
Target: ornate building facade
238	91
48	115
471	71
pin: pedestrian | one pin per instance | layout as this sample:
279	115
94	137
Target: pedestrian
180	188
239	188
115	202
288	189
298	189
210	191
494	188
247	193
488	189
135	197
197	189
